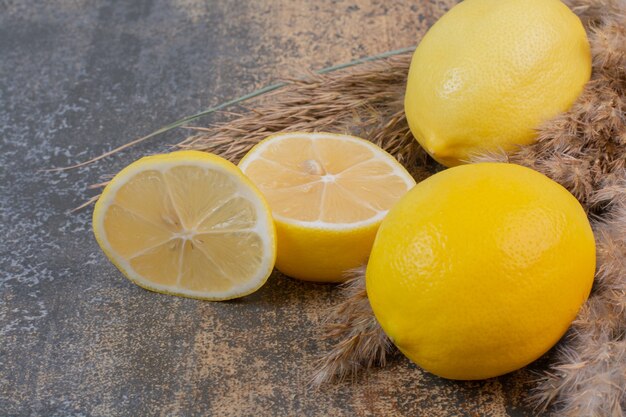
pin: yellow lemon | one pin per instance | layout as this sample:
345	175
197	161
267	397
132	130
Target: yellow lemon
489	72
480	269
328	194
187	223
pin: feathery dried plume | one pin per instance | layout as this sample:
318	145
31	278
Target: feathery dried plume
366	101
362	344
589	375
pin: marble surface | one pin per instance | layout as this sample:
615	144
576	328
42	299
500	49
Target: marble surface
79	77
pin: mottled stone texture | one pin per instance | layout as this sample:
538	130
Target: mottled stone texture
78	77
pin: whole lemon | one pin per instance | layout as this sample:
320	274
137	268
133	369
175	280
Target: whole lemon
480	269
489	72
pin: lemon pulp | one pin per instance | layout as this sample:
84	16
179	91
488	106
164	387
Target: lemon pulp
187	223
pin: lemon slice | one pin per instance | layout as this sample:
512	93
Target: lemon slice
187	223
328	194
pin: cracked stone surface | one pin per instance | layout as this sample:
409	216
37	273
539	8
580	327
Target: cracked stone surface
79	77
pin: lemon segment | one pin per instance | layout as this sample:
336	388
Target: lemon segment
187	223
328	194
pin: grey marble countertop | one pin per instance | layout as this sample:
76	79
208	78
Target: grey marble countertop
78	78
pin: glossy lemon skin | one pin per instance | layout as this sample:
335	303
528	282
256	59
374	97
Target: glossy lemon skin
480	269
322	255
489	72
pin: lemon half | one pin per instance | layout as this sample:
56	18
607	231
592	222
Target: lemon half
328	194
187	223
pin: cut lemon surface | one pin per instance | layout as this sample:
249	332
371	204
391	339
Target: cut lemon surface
187	223
328	194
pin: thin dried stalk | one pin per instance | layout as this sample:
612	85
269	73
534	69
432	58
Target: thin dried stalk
182	122
366	101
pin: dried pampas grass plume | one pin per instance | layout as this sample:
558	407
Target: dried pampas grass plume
588	377
362	343
367	101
